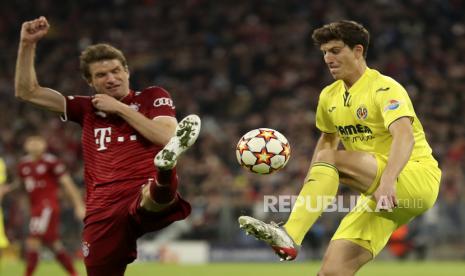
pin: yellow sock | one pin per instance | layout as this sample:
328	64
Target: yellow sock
320	188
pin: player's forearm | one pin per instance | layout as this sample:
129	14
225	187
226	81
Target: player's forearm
401	150
25	76
16	185
76	198
72	191
157	132
8	188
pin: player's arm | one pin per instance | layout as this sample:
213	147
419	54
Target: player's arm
399	154
8	188
326	141
27	87
73	192
158	131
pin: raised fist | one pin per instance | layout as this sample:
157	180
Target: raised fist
33	31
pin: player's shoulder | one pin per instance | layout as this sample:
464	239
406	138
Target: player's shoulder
24	160
153	91
49	158
332	89
382	83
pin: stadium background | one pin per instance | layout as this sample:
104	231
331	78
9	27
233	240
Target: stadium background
242	65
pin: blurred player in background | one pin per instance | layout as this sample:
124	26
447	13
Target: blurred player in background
3	190
386	158
124	134
41	173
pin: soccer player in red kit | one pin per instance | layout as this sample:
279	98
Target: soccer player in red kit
41	173
125	132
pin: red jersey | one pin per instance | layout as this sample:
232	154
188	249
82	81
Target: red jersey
113	150
40	178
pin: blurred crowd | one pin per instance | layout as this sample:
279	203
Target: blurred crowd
242	65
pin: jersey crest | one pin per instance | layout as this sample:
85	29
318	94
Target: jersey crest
362	112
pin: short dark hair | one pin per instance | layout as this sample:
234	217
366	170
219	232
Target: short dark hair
350	32
99	52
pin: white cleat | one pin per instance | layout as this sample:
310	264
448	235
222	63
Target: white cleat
272	234
186	134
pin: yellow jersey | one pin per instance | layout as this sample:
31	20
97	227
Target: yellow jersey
2	172
3	240
361	115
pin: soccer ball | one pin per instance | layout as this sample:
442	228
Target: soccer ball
263	151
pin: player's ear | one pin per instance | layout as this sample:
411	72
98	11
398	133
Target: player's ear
126	68
358	51
88	81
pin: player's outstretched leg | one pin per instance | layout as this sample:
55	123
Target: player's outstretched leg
187	132
272	234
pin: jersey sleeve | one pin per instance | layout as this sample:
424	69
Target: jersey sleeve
394	104
76	107
160	103
2	172
323	121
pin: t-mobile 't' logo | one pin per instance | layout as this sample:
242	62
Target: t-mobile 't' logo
102	136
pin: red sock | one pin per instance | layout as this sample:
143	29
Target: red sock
65	260
32	257
163	189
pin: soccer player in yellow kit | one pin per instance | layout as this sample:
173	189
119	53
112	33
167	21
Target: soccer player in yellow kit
386	158
3	240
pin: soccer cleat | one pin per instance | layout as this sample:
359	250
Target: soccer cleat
272	234
187	132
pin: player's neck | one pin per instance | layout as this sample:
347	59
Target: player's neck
355	75
36	157
124	96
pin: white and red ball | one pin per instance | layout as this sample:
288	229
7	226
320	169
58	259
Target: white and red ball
263	150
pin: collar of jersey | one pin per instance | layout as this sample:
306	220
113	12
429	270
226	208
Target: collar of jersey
361	81
126	99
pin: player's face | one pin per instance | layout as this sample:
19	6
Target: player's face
341	60
35	145
109	77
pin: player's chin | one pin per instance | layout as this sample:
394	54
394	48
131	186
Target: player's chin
115	93
336	76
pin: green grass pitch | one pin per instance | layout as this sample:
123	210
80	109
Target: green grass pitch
378	268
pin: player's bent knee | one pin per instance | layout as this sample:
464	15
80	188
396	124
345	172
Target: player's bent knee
148	204
326	155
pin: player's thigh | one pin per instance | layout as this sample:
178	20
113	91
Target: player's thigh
56	246
110	239
358	170
33	243
344	257
368	227
417	188
51	233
